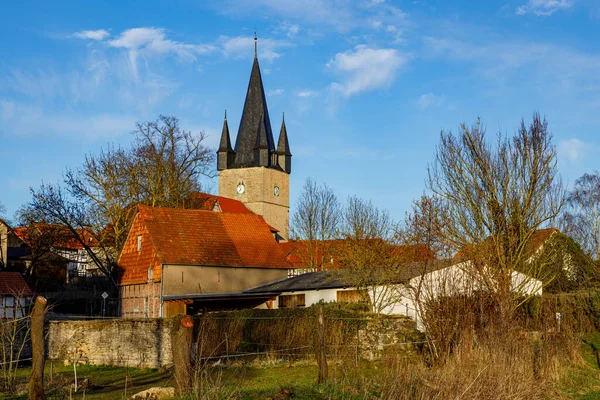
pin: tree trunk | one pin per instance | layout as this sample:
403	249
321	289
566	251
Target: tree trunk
181	345
36	380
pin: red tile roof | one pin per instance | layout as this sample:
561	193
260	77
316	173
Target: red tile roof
538	238
12	283
297	252
206	201
65	238
181	236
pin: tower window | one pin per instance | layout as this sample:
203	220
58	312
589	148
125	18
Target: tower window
139	243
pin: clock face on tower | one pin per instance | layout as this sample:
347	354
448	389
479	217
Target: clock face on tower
241	189
276	190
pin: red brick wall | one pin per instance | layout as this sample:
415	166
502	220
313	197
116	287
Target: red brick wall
141	300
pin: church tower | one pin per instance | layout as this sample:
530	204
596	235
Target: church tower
254	171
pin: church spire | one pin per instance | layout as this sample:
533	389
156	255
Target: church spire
225	153
284	155
255	45
254	116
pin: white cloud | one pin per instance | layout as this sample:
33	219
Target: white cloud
428	100
545	64
154	40
308	93
572	149
365	68
275	92
544	7
289	29
339	15
7	109
99	34
243	47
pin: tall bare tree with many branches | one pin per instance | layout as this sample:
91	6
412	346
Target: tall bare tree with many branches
163	166
316	223
581	219
497	196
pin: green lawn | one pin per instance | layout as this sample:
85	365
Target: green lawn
583	380
239	381
277	380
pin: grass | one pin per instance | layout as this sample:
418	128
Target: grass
582	380
280	379
108	382
257	380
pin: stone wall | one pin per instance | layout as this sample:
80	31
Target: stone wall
117	342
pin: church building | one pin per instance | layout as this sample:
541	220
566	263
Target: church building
178	261
256	172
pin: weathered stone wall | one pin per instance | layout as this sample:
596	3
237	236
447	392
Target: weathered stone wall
117	342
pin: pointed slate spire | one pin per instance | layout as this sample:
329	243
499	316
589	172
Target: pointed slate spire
284	155
255	113
225	154
225	140
261	146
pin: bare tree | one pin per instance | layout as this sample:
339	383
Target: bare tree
367	255
581	219
497	196
425	226
162	168
316	223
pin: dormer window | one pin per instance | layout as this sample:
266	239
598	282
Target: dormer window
139	243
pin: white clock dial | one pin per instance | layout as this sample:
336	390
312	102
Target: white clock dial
241	188
276	190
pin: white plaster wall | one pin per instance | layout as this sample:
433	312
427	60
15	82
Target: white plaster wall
461	279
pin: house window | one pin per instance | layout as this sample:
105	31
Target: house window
139	247
292	301
150	274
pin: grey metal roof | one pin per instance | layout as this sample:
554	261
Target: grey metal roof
333	279
308	281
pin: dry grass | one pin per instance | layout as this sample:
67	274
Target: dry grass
508	366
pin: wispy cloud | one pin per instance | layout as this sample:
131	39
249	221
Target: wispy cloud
572	150
147	42
153	41
288	29
364	68
275	92
27	120
428	100
243	47
544	7
99	34
339	15
308	93
548	64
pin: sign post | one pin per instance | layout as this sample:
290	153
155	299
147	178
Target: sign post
104	296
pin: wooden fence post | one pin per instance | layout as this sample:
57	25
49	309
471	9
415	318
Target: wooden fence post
181	346
320	346
38	353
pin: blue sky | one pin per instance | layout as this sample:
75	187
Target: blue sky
366	85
